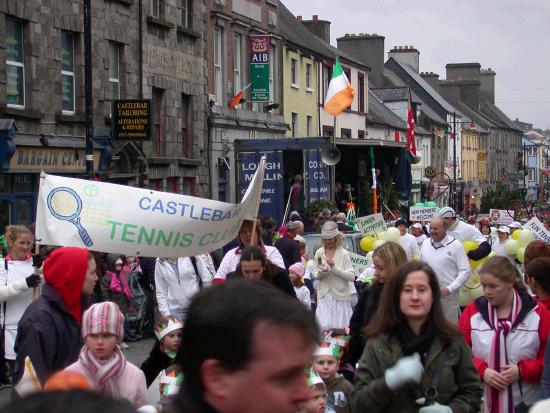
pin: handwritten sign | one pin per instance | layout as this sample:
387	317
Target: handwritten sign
359	262
501	216
538	229
371	224
422	213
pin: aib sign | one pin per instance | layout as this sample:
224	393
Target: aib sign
259	49
259	68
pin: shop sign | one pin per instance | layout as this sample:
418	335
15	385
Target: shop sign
482	165
36	159
132	119
259	68
316	176
430	171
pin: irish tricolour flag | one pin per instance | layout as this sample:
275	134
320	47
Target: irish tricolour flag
340	93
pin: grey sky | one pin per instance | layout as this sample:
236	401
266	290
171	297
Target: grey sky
512	37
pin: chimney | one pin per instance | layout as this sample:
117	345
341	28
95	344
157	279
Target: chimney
368	49
299	18
488	84
320	28
467	77
431	79
463	71
406	55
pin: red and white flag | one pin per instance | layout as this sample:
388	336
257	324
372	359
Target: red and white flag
411	145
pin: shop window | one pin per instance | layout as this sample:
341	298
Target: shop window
23	211
67	73
15	63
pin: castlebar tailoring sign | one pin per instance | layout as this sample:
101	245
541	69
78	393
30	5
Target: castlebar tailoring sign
259	68
132	119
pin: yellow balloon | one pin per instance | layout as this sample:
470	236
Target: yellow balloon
367	243
470	245
474	263
516	233
521	254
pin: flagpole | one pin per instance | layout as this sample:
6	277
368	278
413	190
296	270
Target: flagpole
373	187
333	168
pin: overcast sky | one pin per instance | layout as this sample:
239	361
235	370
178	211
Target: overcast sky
512	37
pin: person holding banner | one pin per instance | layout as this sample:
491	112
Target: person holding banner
233	256
333	269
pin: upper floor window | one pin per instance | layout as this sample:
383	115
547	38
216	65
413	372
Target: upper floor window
308	76
238	57
272	71
15	63
293	71
114	70
361	91
218	65
67	73
155	8
187	13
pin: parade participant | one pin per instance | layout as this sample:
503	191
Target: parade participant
237	357
326	364
536	249
163	354
268	230
333	269
296	274
503	234
537	275
514	226
408	342
507	330
407	241
177	280
318	401
49	331
485	229
446	255
254	265
16	278
386	259
101	360
417	232
287	245
233	256
462	231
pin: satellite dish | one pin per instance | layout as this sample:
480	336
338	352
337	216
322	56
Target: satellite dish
330	155
417	158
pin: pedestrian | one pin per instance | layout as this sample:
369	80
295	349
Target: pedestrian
386	259
341	220
318	401
255	265
447	257
326	364
287	245
333	269
268	228
406	240
236	357
163	354
49	330
233	256
508	331
537	276
536	249
296	274
177	280
414	359
296	193
503	234
101	360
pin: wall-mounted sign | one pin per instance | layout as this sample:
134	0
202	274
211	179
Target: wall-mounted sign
132	119
259	68
430	171
482	165
36	159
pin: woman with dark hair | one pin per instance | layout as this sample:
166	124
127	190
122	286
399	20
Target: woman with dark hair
537	275
507	330
414	359
256	266
536	249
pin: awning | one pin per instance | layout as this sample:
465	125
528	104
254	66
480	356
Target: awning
369	142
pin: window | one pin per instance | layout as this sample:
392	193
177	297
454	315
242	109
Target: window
67	73
327	73
308	76
186	122
272	71
294	123
328	131
187	14
158	101
155	8
531	175
218	64
15	65
309	125
114	70
361	91
361	134
237	62
294	72
345	133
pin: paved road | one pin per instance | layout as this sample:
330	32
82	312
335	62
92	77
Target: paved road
136	354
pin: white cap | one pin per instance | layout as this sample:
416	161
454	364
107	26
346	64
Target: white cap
503	229
447	212
417	225
515	224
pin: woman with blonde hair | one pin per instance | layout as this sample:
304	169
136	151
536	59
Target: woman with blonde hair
333	269
386	259
507	330
16	280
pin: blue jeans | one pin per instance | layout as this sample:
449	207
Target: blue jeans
179	313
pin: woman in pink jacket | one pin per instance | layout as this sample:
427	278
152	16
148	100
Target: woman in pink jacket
102	362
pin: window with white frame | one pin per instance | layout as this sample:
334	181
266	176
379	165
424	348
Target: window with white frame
294	72
187	14
294	125
15	63
238	62
67	73
114	70
218	65
155	8
309	125
531	174
308	76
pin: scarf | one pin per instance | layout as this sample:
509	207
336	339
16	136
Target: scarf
27	257
119	284
412	343
105	374
500	401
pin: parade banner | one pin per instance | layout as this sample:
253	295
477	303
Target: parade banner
371	224
422	213
538	229
359	262
501	216
133	221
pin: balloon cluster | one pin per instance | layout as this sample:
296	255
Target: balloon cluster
429	204
370	242
517	243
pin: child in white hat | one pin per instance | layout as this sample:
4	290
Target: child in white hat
296	274
318	401
101	360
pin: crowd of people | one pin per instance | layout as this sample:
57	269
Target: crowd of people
235	329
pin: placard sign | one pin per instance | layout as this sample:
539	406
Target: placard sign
538	229
422	213
259	68
501	216
371	224
359	262
132	119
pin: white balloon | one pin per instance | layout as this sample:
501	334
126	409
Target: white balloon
379	242
392	234
511	246
382	235
525	237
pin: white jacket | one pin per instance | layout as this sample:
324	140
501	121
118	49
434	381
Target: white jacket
409	244
231	259
14	290
175	291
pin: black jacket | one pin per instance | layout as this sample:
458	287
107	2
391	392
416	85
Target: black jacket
48	334
187	402
280	279
155	363
289	249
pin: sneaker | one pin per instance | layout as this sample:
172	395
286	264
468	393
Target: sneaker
124	346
